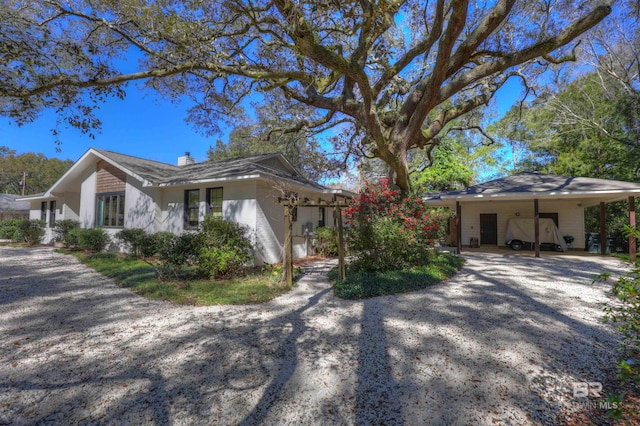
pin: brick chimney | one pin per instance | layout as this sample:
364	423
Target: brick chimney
186	160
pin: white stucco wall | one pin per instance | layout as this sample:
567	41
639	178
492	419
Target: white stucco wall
34	210
238	204
270	224
139	206
88	200
570	217
171	219
71	206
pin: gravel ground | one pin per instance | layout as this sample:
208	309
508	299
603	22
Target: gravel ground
499	343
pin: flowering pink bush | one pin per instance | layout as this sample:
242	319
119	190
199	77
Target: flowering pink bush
390	231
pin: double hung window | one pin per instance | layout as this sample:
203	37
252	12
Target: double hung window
191	208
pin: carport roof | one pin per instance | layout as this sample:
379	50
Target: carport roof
530	185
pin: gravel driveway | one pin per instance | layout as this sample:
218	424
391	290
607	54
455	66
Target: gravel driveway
499	343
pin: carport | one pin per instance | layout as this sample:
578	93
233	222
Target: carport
482	210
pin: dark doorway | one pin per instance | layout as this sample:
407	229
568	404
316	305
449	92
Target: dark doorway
489	228
553	216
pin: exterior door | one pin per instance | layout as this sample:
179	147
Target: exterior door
553	216
489	229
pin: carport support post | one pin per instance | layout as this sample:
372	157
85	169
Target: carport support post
341	269
536	225
632	223
459	225
288	247
603	230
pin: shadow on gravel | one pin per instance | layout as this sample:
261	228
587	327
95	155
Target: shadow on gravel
483	348
288	363
150	402
377	401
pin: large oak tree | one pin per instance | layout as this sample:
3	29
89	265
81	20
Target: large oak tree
388	75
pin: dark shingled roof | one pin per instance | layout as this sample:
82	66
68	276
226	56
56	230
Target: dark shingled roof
541	183
8	203
167	174
153	171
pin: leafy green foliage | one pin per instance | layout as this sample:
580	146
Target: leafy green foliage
579	131
455	163
42	172
382	78
269	134
325	241
95	240
140	277
30	232
9	227
389	231
219	249
361	284
62	231
626	316
138	243
226	247
176	251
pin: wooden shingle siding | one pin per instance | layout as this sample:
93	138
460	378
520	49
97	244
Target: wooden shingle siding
109	178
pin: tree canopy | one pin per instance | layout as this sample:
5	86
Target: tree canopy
387	76
265	134
589	124
41	172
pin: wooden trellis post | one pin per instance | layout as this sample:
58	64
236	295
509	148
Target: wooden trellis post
289	204
342	273
288	247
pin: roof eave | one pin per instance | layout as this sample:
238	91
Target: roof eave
210	180
549	194
41	197
262	176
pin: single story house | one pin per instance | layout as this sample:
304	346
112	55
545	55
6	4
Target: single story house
11	208
115	191
482	210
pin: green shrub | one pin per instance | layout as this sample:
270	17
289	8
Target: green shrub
8	228
326	241
389	231
29	231
225	247
219	249
364	284
138	243
217	262
626	316
95	240
175	251
63	232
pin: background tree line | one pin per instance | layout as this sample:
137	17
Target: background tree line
41	172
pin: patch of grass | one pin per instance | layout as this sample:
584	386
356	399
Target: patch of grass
257	287
625	257
362	285
14	245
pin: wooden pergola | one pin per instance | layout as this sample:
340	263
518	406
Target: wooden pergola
289	205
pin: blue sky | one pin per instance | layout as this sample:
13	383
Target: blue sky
141	125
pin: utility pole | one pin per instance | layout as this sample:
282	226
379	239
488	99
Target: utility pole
24	181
